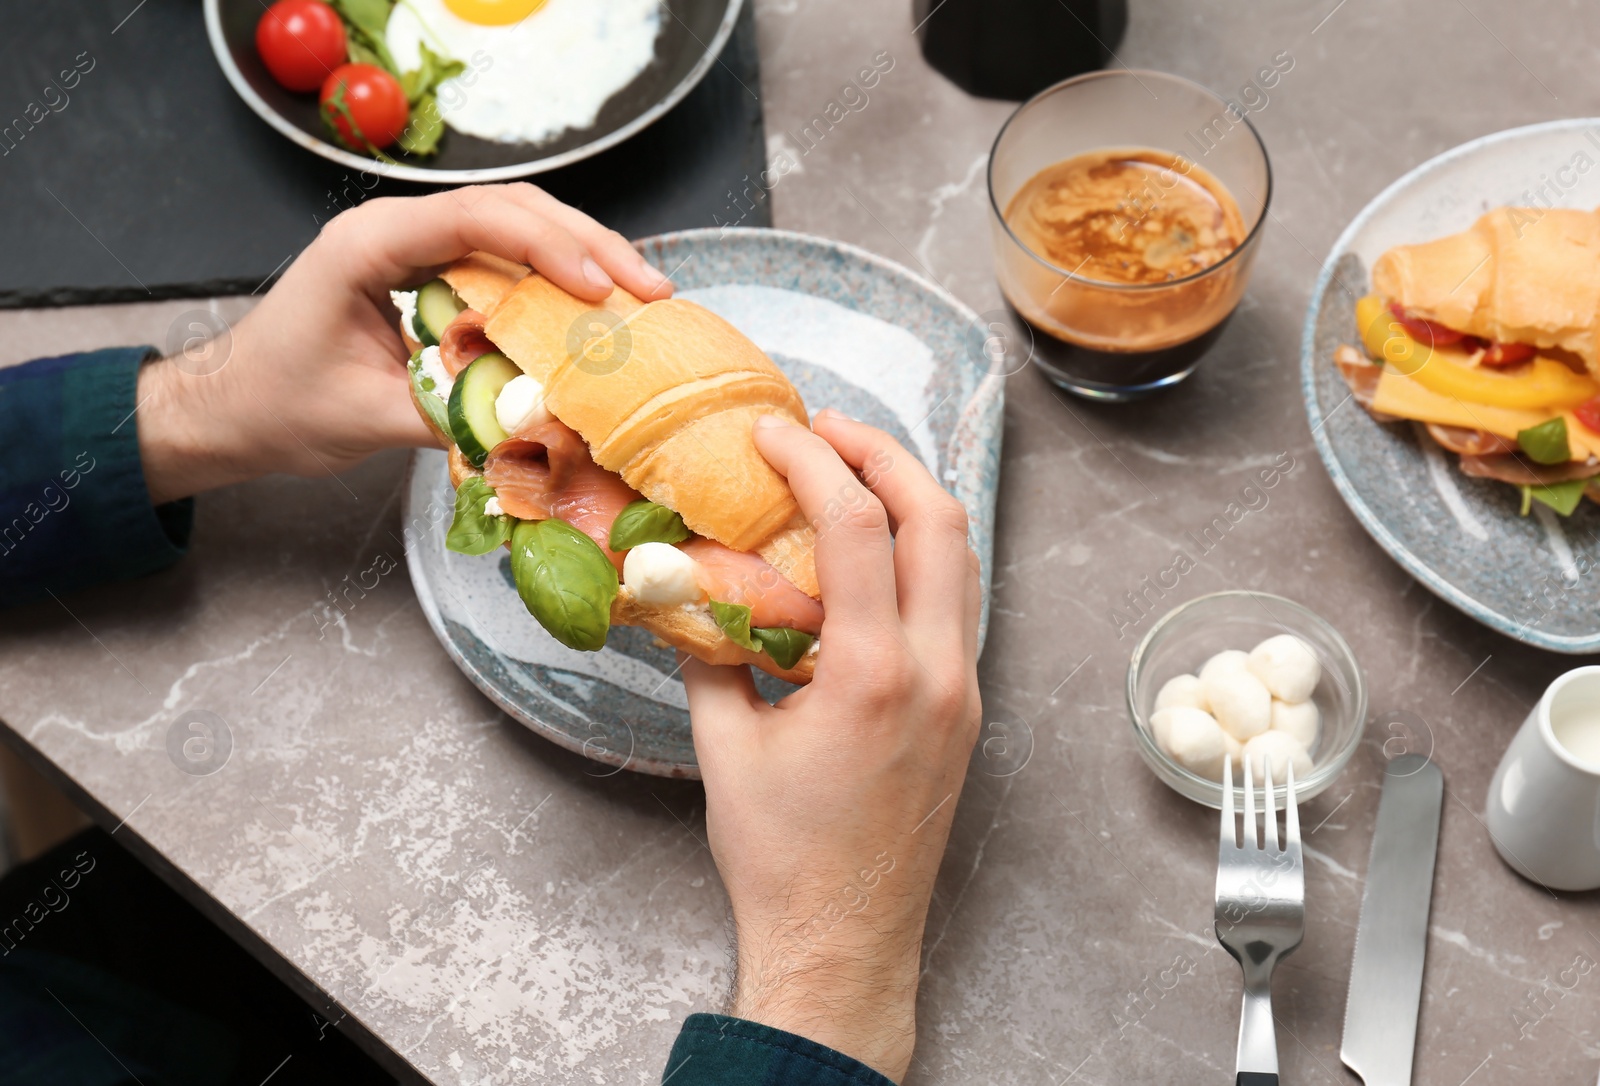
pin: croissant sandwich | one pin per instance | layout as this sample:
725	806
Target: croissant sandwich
608	445
1490	339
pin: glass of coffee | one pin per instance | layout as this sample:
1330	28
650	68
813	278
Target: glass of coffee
1126	207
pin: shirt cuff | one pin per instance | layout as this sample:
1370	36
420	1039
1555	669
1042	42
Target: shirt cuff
74	507
716	1050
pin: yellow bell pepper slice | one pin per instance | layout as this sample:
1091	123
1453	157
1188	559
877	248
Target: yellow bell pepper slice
1539	383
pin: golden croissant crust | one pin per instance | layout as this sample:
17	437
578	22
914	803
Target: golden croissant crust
1517	275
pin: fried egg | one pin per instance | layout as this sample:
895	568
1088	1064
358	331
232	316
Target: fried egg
534	69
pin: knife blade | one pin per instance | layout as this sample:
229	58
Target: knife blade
1380	1012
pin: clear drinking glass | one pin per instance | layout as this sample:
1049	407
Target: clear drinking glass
1119	341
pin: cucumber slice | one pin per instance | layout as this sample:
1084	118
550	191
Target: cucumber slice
472	421
437	306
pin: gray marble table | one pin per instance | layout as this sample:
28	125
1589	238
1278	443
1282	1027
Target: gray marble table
485	908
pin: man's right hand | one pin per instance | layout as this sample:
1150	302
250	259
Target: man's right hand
828	813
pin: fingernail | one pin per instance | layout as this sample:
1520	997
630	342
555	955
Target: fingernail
651	273
770	422
596	275
835	413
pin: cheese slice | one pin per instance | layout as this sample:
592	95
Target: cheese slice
1406	398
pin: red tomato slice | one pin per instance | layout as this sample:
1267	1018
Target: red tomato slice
1506	354
1588	413
300	42
364	106
1428	333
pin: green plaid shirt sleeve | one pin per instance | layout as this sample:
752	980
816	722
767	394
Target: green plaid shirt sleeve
74	509
715	1050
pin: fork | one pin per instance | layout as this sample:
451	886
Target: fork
1261	911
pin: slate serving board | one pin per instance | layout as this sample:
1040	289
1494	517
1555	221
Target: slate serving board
142	175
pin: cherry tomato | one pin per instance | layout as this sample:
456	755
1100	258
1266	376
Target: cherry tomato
1427	333
371	98
1588	413
300	42
1506	354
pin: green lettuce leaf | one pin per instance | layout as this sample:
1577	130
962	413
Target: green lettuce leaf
1562	497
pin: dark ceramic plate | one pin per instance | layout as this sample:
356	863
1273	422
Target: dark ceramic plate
692	36
1530	577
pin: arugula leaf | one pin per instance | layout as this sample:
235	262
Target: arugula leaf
784	645
422	131
734	620
434	70
565	580
1562	497
360	53
371	17
437	411
473	531
646	522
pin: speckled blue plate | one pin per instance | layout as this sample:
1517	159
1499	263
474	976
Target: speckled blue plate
1462	538
853	331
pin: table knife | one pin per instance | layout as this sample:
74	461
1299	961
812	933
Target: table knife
1380	1013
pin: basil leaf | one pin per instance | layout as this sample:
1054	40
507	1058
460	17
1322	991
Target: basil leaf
438	412
1546	443
734	620
565	580
422	131
784	645
646	522
473	531
1562	497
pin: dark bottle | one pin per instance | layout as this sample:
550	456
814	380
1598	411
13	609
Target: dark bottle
1014	49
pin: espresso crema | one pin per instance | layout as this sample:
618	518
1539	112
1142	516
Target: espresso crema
1129	216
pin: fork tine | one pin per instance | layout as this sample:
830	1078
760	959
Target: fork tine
1269	803
1249	808
1230	832
1291	813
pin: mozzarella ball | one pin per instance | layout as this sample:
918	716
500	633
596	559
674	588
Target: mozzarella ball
1230	660
521	404
1192	738
1301	720
1237	699
660	575
1183	690
1287	666
1284	750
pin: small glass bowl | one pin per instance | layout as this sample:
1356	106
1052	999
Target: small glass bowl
1191	634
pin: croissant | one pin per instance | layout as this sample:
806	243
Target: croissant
1517	275
654	388
663	394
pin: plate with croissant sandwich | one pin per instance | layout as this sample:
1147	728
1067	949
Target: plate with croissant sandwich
601	504
1452	376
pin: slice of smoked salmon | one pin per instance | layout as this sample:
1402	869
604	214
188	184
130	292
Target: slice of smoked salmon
549	473
730	576
463	341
